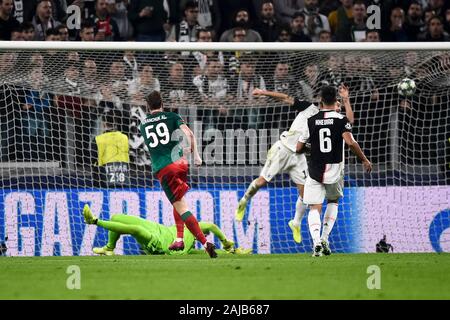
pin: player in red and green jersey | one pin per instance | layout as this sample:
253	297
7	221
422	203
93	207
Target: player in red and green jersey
153	238
161	131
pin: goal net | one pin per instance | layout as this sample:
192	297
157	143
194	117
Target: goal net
56	99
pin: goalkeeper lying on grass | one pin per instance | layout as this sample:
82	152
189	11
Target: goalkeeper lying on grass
154	238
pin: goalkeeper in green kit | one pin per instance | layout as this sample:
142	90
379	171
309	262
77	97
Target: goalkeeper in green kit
154	238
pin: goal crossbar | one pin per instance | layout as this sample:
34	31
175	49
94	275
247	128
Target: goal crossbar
223	46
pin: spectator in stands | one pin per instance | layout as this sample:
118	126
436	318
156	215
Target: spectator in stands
309	86
314	21
358	27
414	23
24	10
232	58
178	92
87	32
325	36
145	82
229	8
435	31
17	34
7	20
267	26
247	80
28	9
354	78
106	28
187	29
70	83
28	31
7	63
205	35
351	72
284	34
131	65
10	127
285	9
148	18
396	31
411	60
36	60
341	19
117	83
367	70
447	21
241	20
213	89
333	74
437	6
209	15
35	118
372	36
213	84
72	105
89	84
118	10
282	80
176	89
43	20
63	33
52	34
328	6
429	13
298	28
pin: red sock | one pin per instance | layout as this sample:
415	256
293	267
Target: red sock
179	223
192	224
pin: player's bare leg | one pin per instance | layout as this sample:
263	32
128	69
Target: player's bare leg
192	224
256	184
314	228
300	209
328	222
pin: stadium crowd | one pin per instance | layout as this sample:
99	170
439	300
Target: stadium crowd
47	88
258	20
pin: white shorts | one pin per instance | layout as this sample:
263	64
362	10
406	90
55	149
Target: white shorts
316	192
281	159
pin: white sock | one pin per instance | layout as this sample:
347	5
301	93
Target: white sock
179	239
251	191
328	220
300	209
314	225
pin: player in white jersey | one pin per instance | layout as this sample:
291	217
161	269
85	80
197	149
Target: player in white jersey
326	131
282	157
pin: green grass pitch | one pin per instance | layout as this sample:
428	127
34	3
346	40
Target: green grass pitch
289	276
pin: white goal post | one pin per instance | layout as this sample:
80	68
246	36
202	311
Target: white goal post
55	98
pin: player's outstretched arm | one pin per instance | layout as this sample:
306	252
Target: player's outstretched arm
192	143
354	146
276	95
344	94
